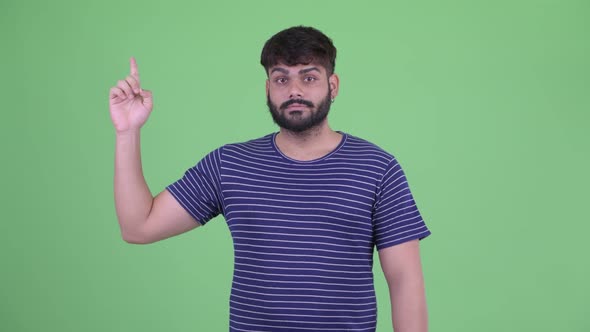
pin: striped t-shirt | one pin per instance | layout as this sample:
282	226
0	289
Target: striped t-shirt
303	231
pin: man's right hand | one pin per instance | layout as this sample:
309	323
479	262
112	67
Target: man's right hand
129	104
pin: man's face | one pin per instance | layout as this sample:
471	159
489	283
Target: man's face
299	97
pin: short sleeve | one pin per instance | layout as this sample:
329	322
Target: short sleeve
396	218
199	190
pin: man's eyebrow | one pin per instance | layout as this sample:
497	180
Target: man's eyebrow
307	70
282	70
302	71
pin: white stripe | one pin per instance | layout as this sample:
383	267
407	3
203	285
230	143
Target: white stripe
300	235
292	308
367	197
303	328
296	315
306	295
300	184
297	202
298	222
296	215
297	255
301	289
306	302
298	321
307	269
306	282
301	262
302	242
287	208
291	195
367	255
299	275
320	174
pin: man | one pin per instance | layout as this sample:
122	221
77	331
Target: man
305	206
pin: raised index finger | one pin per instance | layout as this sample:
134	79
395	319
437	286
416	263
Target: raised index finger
134	71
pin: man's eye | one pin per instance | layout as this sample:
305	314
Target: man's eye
281	80
309	79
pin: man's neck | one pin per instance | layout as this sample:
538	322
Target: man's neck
310	144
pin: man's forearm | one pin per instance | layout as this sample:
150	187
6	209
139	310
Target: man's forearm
133	199
408	305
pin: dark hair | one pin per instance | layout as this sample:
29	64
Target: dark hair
299	45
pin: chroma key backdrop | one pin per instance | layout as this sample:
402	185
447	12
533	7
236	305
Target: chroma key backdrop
484	103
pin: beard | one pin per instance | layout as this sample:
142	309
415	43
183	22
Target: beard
295	122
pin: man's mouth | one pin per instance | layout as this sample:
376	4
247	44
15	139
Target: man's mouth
296	104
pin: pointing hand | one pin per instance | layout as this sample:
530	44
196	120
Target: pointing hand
129	104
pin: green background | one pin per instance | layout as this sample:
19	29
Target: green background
485	103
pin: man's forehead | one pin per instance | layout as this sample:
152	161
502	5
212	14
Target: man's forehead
296	69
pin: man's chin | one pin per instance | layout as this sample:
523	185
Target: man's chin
299	126
297	117
298	121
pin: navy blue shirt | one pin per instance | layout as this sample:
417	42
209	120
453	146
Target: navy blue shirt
304	232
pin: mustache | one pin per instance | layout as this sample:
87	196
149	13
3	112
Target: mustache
296	101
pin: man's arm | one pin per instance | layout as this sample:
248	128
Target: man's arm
142	218
403	271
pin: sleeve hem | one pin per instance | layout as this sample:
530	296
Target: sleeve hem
419	236
181	202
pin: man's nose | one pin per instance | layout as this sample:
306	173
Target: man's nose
295	90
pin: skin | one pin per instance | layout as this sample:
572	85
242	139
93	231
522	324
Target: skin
146	219
403	271
142	218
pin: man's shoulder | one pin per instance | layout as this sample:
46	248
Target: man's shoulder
263	141
363	147
258	145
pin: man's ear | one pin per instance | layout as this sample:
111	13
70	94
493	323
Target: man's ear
334	82
267	85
